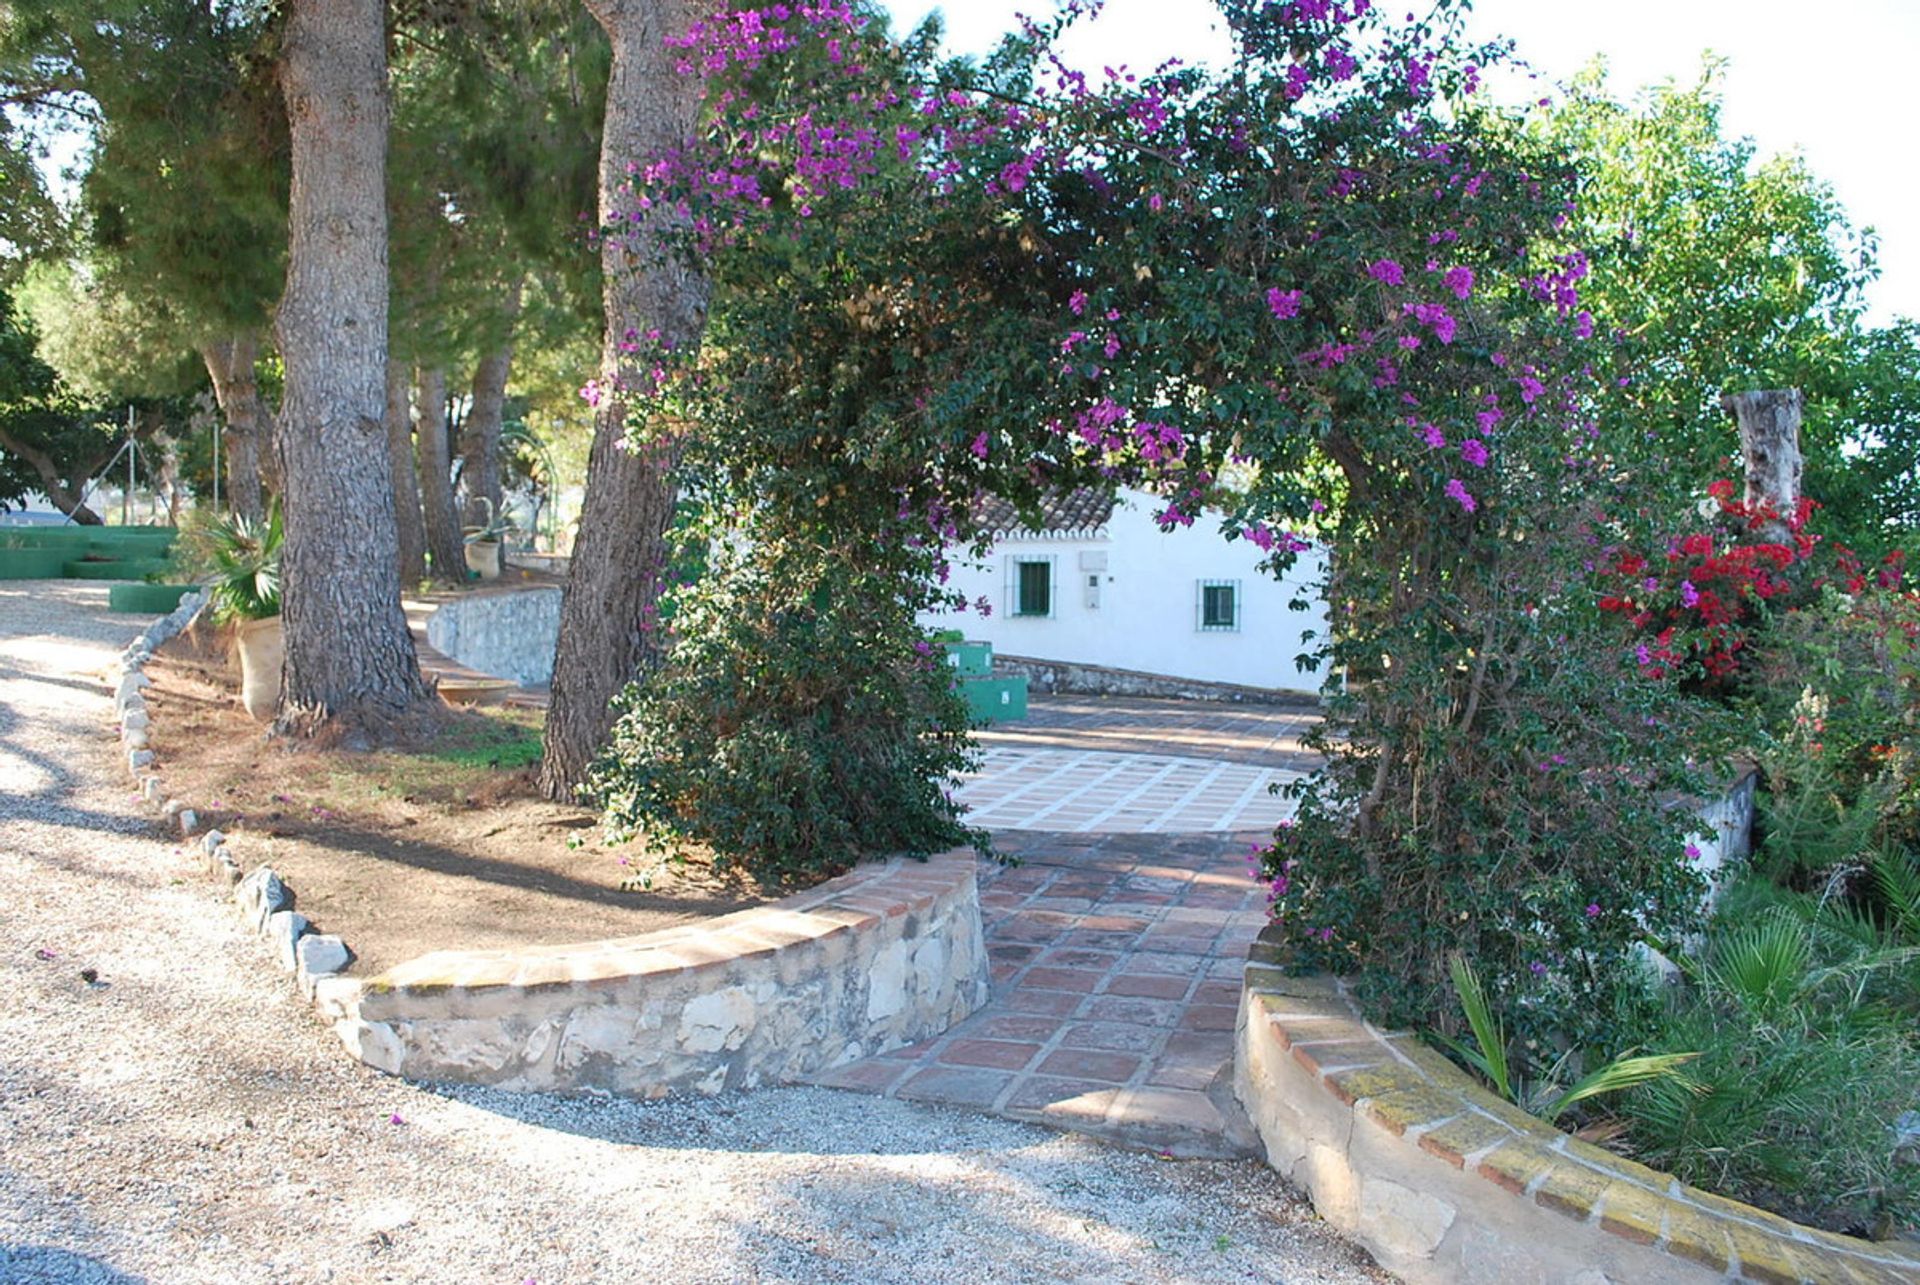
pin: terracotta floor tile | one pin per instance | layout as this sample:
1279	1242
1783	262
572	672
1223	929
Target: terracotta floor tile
1210	1017
1089	1064
1080	958
1002	1055
1148	985
872	1075
1181	1075
956	1085
1022	999
1063	979
1085	1102
993	1025
1217	993
1125	1037
1143	1012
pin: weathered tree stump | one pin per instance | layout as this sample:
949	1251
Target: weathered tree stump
1769	423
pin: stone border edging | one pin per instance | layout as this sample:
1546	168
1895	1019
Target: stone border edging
1444	1182
263	897
879	958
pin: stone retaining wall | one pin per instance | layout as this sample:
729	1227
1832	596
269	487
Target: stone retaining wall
876	959
509	632
1067	677
1442	1181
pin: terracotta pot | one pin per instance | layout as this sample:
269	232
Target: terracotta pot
262	647
483	558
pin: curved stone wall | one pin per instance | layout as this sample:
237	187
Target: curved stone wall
508	632
876	959
1442	1181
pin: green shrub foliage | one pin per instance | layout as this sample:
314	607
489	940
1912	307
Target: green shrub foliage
788	731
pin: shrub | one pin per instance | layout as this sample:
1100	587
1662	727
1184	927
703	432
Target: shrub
793	728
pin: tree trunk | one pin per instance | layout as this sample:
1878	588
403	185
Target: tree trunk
1770	444
410	526
349	656
230	365
481	445
607	622
444	547
65	493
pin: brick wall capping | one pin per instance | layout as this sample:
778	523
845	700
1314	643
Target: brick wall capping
1445	1182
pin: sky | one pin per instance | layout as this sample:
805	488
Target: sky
1834	83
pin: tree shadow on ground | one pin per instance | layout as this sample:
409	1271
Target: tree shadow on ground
51	1265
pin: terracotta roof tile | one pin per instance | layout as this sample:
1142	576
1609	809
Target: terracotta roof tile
1064	513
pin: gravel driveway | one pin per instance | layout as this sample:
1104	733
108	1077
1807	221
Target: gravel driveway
183	1118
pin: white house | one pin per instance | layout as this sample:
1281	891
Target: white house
1099	584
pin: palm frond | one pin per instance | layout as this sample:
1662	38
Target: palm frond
1621	1073
1488	1031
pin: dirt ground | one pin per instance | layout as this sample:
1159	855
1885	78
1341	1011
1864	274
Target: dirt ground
444	844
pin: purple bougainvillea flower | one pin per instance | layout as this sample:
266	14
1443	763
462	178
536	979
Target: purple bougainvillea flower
1458	493
1386	270
1284	304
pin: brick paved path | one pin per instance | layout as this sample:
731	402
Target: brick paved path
1116	955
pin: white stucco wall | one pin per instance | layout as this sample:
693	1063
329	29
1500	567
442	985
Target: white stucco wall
1146	618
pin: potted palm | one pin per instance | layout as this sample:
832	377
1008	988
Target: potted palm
244	591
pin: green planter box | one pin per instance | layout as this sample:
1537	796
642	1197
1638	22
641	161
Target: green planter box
140	544
116	569
74	539
146	599
33	564
994	700
970	659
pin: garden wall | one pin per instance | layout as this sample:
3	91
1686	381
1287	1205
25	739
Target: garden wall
1069	678
882	957
511	633
1442	1181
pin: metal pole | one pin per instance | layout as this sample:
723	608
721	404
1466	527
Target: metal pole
126	501
216	470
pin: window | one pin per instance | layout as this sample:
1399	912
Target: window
1031	588
1218	606
1034	589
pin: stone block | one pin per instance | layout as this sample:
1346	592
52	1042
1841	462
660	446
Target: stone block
189	821
285	928
719	1020
211	841
1401	1223
138	759
317	956
261	894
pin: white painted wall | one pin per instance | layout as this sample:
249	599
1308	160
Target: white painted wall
1146	615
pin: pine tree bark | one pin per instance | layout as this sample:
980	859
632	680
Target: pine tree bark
349	656
230	365
607	633
446	553
410	526
480	442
